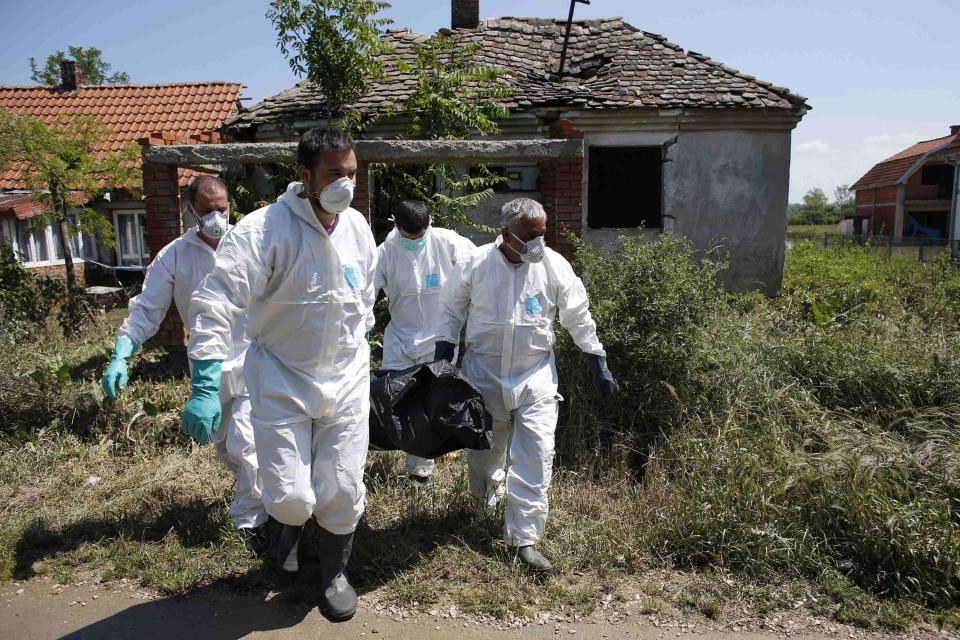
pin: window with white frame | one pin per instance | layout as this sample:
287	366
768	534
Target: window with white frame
131	230
41	244
32	241
8	230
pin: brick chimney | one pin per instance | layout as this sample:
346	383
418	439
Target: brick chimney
955	130
464	14
70	77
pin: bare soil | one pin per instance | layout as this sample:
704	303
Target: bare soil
41	609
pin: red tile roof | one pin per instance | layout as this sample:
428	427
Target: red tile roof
129	111
896	168
20	205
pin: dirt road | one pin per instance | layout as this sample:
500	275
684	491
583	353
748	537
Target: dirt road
38	609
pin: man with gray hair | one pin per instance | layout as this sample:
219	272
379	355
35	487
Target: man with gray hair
509	293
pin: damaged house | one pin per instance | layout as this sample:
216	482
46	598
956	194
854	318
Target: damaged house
673	141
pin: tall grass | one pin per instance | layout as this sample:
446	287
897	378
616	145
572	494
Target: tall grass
806	440
812	434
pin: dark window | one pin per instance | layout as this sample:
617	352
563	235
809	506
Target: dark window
516	178
927	224
940	176
626	185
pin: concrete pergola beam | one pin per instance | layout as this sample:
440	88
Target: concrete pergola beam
393	151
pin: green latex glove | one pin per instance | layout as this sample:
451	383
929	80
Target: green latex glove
201	416
115	376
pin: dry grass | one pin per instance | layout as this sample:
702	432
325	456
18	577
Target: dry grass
764	454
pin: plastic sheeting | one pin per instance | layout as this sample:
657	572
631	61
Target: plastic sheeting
427	410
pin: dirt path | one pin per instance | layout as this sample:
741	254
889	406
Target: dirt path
39	609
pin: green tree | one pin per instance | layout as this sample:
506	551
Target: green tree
334	43
454	98
89	61
843	200
64	166
816	209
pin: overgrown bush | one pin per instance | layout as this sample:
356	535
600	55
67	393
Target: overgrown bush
813	435
25	301
760	437
650	301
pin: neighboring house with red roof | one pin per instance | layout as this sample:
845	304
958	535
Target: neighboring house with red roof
912	193
183	112
673	139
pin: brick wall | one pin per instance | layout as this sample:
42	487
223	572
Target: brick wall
59	272
162	205
561	192
88	274
464	14
161	186
880	204
886	195
361	195
916	190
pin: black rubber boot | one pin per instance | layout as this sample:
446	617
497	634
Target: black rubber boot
338	600
533	559
255	539
288	547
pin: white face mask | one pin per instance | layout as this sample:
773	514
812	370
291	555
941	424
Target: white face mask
532	250
337	196
213	224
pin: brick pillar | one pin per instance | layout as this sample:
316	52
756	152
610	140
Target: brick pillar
361	194
561	193
162	204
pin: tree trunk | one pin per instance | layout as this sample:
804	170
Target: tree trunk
70	321
67	253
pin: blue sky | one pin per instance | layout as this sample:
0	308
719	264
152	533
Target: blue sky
880	74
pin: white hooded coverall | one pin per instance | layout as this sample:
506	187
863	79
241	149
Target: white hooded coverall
308	296
173	275
510	310
412	283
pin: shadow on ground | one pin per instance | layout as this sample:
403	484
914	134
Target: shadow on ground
380	555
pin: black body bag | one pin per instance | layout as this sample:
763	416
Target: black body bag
427	410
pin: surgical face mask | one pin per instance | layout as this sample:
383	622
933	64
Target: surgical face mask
413	245
532	250
213	224
336	196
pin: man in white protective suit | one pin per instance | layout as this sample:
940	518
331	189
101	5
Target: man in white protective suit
414	264
509	292
302	271
172	277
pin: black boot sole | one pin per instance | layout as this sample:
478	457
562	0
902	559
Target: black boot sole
340	616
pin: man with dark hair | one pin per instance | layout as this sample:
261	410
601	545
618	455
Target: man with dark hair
413	265
301	271
172	277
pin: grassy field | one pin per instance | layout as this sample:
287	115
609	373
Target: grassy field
762	453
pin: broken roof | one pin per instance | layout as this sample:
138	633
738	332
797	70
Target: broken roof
131	112
610	65
898	168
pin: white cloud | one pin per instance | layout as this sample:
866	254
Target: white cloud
898	140
817	147
825	165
